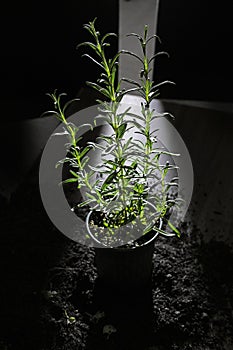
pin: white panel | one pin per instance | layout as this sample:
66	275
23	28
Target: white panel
133	15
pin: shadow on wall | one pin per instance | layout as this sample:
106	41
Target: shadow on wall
38	51
198	36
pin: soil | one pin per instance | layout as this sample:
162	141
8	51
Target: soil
51	298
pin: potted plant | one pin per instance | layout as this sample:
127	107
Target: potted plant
128	193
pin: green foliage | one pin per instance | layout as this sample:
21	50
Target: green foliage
146	87
106	84
128	164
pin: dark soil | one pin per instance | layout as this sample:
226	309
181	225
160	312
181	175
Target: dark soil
51	298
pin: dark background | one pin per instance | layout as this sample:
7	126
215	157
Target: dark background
198	35
38	50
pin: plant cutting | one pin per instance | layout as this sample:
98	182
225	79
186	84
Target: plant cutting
129	192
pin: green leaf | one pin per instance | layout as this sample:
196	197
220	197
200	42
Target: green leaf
96	145
70	180
130	81
153	37
123	92
138	126
137	36
154	95
106	36
92	59
164	233
98	88
112	62
65	132
148	228
82	204
84	161
74	173
109	179
54	113
109	140
87	43
109	149
121	130
174	229
158	54
84	151
132	54
162	83
165	152
111	162
113	74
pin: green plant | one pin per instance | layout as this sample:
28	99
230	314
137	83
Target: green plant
128	163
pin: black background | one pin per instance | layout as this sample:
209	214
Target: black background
198	35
